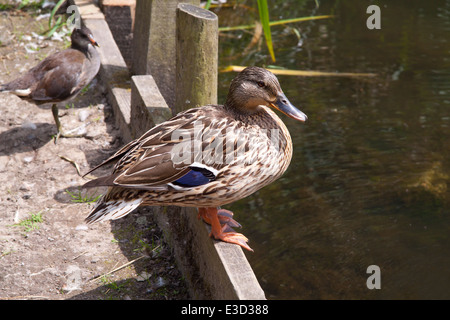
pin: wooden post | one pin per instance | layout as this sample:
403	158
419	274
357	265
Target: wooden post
154	43
196	57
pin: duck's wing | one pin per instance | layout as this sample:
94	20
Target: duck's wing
55	78
58	77
129	153
168	155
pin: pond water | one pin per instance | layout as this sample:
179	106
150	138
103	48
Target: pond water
369	179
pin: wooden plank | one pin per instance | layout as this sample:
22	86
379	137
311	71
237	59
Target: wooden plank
148	106
131	4
196	57
117	3
88	9
214	269
120	17
154	43
141	37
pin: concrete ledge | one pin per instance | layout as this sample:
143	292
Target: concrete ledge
212	269
149	107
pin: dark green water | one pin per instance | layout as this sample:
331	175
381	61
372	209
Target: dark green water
369	180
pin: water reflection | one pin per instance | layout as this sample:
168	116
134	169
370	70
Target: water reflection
369	181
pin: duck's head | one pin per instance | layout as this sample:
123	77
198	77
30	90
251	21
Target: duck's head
254	87
82	38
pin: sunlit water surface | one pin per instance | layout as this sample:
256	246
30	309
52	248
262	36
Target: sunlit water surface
369	179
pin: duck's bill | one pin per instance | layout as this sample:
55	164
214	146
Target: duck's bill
282	104
94	43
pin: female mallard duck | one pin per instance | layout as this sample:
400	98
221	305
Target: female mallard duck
205	157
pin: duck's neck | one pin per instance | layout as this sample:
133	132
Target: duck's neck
243	109
242	114
79	47
92	64
90	52
260	116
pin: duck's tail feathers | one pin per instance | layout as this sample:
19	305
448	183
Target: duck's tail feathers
18	92
112	209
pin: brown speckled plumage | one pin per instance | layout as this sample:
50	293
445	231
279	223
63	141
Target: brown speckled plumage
241	133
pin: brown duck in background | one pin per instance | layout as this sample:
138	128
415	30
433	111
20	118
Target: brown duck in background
60	76
242	146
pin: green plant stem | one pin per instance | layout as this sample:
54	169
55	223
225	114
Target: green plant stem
275	23
264	17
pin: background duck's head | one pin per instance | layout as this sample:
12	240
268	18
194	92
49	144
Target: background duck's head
82	38
254	87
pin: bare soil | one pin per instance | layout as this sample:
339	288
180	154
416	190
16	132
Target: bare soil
58	256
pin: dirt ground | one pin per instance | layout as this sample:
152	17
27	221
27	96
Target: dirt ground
46	249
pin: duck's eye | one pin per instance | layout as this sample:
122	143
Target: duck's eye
261	84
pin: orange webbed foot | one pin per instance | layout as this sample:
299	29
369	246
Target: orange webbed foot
231	237
224	216
222	224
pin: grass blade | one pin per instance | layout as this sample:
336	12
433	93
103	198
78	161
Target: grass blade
208	5
23	4
264	17
276	23
302	73
52	14
285	21
53	29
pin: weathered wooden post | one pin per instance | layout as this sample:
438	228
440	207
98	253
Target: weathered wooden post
196	57
154	43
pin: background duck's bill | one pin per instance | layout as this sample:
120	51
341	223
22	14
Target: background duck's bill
94	43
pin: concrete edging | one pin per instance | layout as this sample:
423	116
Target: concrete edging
212	269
